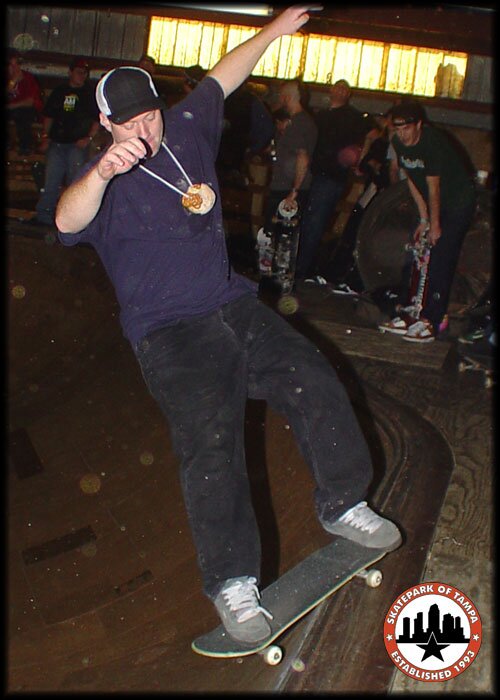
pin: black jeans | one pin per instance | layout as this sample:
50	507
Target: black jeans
444	260
24	118
324	195
201	371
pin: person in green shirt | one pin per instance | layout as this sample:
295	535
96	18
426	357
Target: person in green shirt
444	193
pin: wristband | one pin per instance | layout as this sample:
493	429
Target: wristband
424	221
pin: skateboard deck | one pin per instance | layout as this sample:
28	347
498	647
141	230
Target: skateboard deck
286	245
295	594
418	277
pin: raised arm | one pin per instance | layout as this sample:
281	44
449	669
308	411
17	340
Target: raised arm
236	66
80	202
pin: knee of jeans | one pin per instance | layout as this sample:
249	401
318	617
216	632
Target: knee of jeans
192	438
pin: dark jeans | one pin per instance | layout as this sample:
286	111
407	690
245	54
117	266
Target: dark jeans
63	163
324	194
24	118
340	264
443	261
201	371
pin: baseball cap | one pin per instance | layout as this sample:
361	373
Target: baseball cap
79	63
125	92
407	113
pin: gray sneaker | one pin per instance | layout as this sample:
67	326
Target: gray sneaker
362	525
240	612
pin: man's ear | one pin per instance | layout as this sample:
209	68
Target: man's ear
105	122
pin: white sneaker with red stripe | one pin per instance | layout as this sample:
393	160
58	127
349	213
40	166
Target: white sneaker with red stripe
420	332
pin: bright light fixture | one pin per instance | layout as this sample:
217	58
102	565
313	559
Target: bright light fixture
253	9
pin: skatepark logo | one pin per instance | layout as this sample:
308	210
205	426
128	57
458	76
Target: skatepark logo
432	632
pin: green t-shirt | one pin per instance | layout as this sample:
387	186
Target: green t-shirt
435	154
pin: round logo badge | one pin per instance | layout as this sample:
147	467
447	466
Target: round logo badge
432	632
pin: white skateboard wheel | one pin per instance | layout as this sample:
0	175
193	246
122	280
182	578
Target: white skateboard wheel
373	578
272	655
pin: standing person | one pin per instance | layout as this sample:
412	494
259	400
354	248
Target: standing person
204	341
24	102
70	123
291	175
340	269
294	140
248	131
444	193
339	126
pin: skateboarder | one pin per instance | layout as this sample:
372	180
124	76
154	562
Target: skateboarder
203	340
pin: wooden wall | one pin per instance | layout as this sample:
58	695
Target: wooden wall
71	31
110	37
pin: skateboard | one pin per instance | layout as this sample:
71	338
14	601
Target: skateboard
418	277
286	245
484	365
295	594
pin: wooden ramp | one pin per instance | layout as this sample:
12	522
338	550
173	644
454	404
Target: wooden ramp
104	590
371	343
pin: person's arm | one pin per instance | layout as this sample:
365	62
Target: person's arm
422	209
370	137
236	66
80	202
434	187
301	165
45	138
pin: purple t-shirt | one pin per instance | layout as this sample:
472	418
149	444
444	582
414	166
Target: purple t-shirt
167	264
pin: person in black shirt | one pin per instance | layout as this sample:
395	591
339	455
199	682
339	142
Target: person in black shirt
440	183
70	120
339	126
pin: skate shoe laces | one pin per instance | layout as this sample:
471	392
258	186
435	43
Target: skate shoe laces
362	518
242	598
362	525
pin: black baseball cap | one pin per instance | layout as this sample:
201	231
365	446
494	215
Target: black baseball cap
125	92
407	113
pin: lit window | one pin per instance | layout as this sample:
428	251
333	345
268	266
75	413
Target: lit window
317	58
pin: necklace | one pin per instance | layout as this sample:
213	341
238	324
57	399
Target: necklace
199	198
